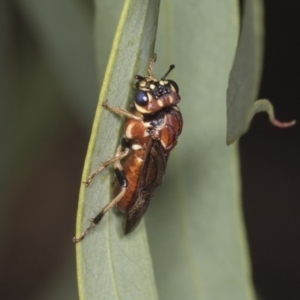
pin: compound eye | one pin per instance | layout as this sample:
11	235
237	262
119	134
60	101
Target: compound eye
175	85
141	98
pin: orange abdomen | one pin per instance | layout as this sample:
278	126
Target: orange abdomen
132	166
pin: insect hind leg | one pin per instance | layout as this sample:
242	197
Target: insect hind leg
99	217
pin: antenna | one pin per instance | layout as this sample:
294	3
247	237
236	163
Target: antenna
170	69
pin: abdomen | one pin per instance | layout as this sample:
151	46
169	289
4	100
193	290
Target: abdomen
132	166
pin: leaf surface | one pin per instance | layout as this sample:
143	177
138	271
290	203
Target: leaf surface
195	223
245	75
111	265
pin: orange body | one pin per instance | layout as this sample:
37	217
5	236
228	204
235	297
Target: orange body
167	134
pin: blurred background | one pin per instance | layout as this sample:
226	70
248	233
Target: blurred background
49	90
270	162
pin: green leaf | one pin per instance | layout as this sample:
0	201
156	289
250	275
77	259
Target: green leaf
111	265
245	75
195	225
246	71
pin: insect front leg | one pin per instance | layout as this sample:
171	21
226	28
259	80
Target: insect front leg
121	177
121	111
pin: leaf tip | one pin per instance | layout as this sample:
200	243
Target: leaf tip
279	124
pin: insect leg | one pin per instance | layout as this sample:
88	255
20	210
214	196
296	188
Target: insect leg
121	152
99	217
151	65
121	177
121	111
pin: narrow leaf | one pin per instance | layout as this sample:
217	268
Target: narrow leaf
245	75
246	71
111	265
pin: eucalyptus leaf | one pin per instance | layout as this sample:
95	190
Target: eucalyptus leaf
195	224
246	71
111	265
245	75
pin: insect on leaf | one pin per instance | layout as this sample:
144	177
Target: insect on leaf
111	266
